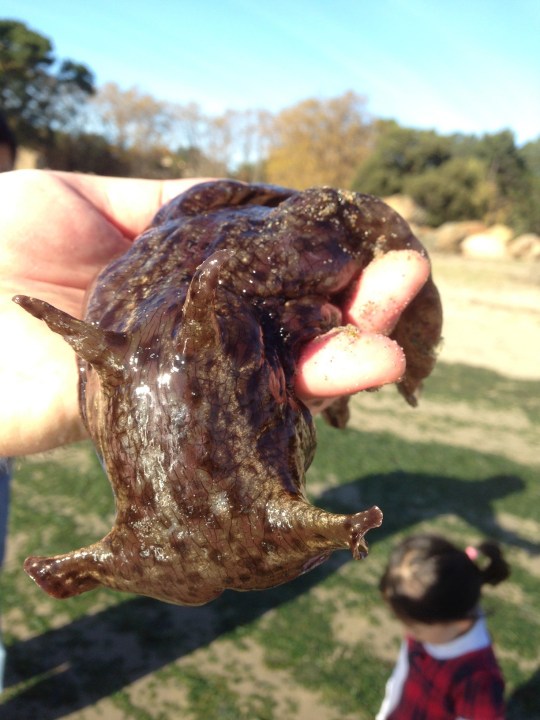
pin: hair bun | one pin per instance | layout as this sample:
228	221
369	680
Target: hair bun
497	569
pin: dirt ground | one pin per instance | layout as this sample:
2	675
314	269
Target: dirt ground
491	314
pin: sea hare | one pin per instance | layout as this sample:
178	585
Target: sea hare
187	359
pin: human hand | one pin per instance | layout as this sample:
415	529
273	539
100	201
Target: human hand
58	230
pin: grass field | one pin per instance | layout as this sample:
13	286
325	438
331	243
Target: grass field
320	647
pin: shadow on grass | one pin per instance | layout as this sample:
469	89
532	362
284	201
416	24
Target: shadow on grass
417	497
75	666
524	703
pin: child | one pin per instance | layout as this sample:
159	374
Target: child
446	668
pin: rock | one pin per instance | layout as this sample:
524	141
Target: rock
525	246
426	234
449	236
407	208
491	243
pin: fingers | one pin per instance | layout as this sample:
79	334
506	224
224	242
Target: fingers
385	288
345	361
361	356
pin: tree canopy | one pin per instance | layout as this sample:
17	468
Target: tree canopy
319	142
455	177
39	94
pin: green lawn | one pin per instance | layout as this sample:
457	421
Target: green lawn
320	647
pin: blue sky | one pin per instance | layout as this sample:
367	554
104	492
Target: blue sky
453	65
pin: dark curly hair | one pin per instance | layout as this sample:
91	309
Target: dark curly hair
430	580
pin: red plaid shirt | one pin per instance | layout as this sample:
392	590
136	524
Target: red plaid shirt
467	686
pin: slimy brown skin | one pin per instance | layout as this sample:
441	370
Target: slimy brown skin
187	357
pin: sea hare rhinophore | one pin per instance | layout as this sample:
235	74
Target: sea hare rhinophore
187	358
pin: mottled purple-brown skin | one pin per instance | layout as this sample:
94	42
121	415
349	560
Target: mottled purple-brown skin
187	358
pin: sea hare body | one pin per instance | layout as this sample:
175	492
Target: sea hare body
187	357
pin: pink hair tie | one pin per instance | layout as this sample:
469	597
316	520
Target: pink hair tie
471	552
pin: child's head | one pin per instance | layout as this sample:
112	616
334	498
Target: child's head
430	581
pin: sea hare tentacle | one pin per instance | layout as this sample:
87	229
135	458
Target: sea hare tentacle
63	576
187	357
98	347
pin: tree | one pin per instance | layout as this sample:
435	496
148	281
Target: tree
528	206
85	152
39	95
236	141
507	168
132	119
319	142
142	130
398	154
530	153
192	162
456	176
455	190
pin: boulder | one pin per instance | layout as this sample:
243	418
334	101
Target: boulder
407	208
491	243
449	236
525	246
